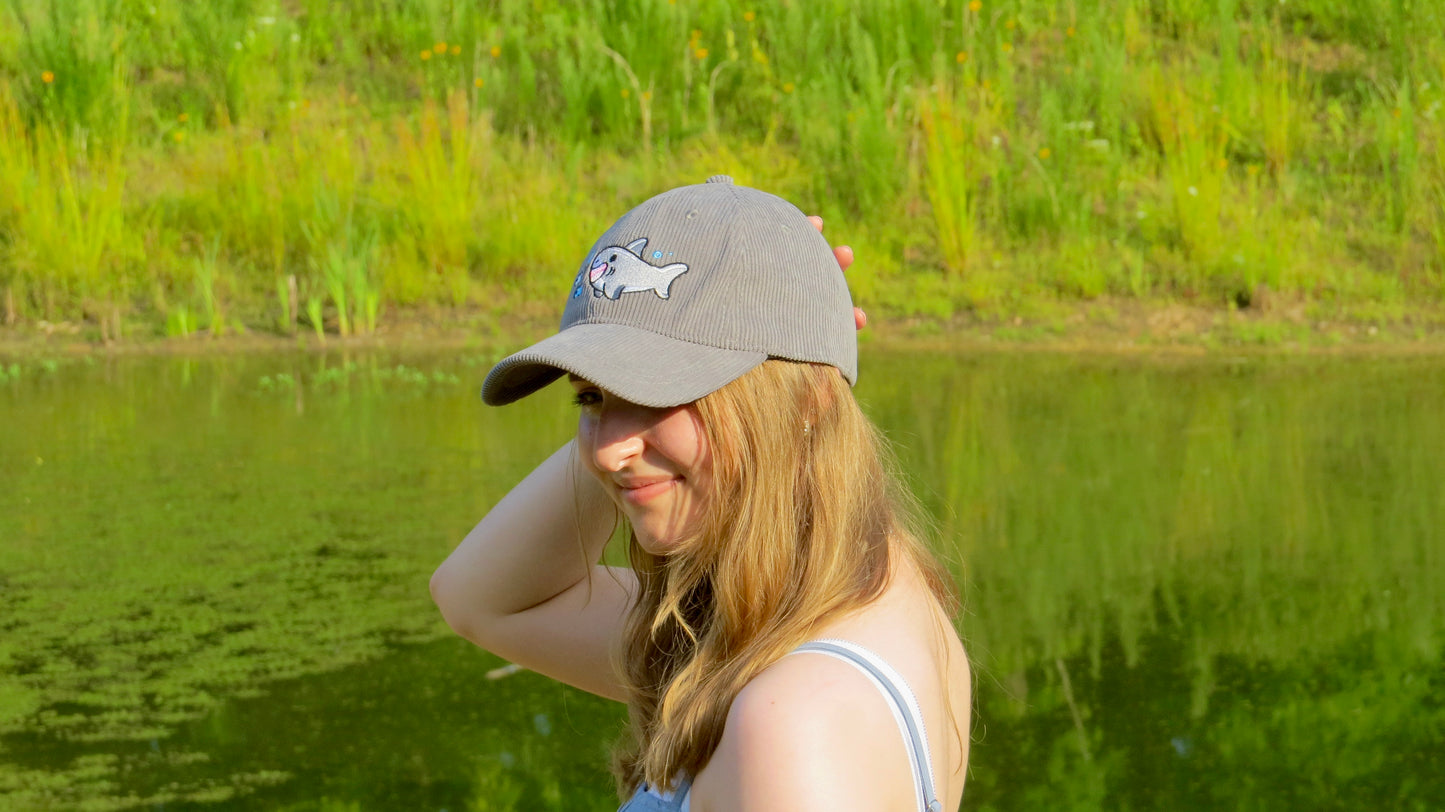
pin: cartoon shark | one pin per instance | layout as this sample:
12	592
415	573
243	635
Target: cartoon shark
616	270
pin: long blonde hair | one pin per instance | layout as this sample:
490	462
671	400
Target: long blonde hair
803	516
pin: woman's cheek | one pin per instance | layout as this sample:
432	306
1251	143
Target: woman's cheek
586	440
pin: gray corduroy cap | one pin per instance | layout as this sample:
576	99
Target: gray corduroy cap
687	292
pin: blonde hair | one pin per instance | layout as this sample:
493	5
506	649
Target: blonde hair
802	519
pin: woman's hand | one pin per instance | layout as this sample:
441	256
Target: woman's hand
844	255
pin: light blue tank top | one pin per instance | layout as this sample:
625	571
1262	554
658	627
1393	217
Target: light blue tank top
900	699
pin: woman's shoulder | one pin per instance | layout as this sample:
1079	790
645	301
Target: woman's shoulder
817	727
806	727
799	688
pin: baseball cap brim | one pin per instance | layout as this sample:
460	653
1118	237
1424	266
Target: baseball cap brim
637	365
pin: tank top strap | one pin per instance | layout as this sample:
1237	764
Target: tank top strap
903	704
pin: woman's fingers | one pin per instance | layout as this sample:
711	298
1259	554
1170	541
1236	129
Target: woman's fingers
844	255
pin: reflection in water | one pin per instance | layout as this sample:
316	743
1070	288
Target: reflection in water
1208	584
421	729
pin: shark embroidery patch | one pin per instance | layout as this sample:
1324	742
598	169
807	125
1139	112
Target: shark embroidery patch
619	269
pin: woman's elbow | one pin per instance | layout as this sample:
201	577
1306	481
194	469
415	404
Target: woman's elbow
449	594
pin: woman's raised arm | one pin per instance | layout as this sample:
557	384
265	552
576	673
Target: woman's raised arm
525	583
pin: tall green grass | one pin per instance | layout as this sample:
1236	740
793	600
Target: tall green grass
953	167
445	159
68	248
995	154
1434	209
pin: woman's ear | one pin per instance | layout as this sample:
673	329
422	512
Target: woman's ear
823	392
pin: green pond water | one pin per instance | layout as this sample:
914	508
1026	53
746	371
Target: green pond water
1201	584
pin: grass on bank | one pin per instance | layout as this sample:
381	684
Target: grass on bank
178	167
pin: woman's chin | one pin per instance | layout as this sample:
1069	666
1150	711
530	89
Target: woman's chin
656	546
659	533
656	540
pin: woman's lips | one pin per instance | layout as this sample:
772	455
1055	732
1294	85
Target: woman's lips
641	492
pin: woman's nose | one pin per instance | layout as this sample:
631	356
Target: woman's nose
618	437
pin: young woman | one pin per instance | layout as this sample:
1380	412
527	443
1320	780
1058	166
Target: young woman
782	638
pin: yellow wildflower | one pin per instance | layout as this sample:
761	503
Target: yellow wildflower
975	5
1222	163
440	48
179	136
1070	32
183	117
626	93
961	57
1007	47
425	55
456	50
700	53
47	76
477	82
787	87
647	95
1010	24
496	51
1045	153
749	16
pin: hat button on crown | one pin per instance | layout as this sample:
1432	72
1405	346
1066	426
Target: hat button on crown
720	179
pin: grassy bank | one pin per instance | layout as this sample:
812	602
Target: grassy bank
314	168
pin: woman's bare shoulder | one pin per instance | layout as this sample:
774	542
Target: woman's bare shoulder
806	728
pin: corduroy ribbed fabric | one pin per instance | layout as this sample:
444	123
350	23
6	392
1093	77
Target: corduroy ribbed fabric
686	293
